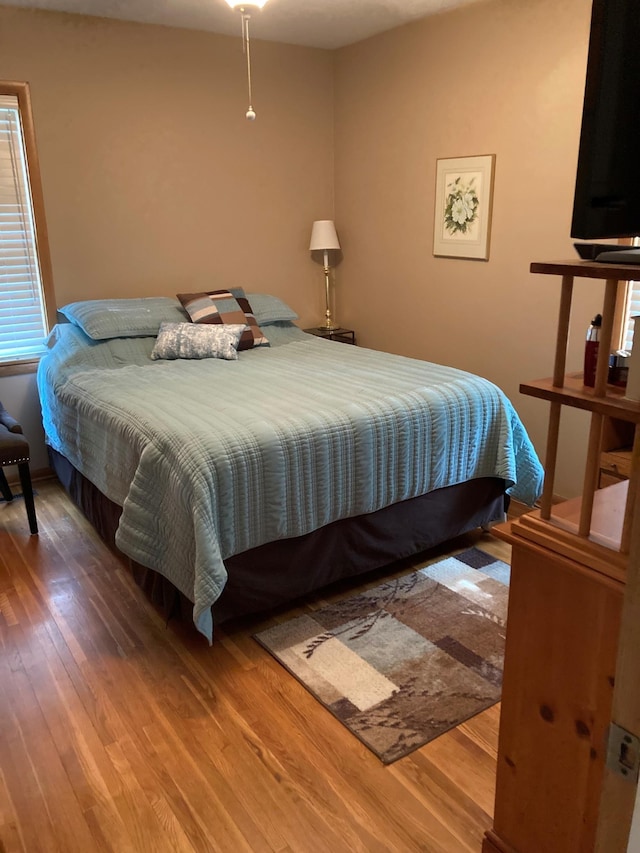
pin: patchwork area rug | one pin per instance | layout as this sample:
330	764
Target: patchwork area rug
403	662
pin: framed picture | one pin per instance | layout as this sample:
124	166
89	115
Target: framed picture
464	195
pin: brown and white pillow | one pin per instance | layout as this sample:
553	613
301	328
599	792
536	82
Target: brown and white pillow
225	307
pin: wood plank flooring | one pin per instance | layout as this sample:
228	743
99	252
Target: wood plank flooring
121	733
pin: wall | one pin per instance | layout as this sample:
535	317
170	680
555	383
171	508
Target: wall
504	77
154	182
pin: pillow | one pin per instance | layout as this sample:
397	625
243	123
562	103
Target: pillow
225	306
185	340
101	319
269	309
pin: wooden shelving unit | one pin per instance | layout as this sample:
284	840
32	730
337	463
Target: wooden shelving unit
570	575
603	401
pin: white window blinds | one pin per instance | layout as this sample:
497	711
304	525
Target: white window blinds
22	316
632	310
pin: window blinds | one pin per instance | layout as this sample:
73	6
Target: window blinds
632	309
22	318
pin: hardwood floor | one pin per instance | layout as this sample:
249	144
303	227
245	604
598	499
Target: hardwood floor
121	733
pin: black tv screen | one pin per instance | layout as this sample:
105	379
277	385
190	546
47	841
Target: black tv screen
607	192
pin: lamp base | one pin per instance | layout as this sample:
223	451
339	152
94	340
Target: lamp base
329	327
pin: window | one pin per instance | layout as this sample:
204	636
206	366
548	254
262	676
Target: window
631	309
26	288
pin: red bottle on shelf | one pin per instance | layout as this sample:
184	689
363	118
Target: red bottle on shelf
591	351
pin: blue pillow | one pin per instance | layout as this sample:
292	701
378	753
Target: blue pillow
102	319
269	309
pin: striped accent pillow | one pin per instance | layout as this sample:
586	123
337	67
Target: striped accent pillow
225	306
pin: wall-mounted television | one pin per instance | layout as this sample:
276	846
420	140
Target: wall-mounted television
607	191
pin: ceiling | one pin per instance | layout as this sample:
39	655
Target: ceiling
314	23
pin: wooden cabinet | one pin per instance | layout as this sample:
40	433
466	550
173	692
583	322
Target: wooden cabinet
570	576
615	452
615	465
562	632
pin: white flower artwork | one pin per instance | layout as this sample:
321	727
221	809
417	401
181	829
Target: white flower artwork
464	190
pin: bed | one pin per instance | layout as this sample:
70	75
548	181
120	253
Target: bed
250	480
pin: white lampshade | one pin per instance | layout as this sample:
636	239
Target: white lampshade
323	235
248	4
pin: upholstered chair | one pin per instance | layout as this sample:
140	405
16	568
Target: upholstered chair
14	450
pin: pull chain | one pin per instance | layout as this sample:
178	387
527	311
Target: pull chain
246	48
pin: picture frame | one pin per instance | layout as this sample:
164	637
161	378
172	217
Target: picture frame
463	206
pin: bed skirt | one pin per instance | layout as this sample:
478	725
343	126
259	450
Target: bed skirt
282	571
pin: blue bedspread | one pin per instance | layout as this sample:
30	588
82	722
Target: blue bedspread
211	458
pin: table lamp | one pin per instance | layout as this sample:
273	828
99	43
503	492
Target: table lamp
324	238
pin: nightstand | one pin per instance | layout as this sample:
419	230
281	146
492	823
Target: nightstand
345	336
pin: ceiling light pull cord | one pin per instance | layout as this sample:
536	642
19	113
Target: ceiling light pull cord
245	7
246	48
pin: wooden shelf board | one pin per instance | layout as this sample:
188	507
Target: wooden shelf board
607	518
588	269
574	393
608	566
600	551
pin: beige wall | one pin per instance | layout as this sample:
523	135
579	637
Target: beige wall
154	181
505	78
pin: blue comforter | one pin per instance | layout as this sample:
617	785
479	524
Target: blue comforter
211	458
